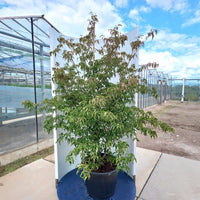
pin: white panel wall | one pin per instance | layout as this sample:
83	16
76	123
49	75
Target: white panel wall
61	150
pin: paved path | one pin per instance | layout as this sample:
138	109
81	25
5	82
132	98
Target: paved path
31	182
158	177
173	178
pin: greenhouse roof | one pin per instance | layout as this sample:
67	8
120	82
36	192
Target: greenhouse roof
16	42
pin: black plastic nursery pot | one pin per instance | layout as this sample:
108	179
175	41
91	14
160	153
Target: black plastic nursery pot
101	185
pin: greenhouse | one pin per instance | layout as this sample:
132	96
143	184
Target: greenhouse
25	73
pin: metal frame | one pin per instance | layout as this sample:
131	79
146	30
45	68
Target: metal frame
22	39
8	32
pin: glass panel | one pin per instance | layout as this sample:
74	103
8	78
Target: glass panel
43	78
17	125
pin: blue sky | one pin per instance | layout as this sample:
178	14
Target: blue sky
176	47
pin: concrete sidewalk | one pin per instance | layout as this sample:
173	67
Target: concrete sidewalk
158	177
173	178
35	181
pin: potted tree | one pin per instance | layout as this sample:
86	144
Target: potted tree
93	113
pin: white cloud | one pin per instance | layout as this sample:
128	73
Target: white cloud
177	54
172	5
145	9
179	66
134	15
121	3
70	17
178	43
165	59
194	20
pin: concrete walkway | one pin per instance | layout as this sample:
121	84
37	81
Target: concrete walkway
34	181
172	178
158	177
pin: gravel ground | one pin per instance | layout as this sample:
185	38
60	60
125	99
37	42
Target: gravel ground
185	119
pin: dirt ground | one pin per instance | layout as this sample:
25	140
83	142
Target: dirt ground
185	119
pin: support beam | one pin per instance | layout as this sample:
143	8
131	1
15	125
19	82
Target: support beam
28	31
22	38
165	96
11	58
20	53
171	88
12	29
21	48
161	90
42	74
34	75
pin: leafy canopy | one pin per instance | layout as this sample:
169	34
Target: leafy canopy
93	113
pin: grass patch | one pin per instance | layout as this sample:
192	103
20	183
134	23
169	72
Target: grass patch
24	161
162	110
165	108
37	86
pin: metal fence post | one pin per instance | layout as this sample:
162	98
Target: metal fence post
183	88
34	76
161	91
1	116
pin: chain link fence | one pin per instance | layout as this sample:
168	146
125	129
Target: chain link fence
188	89
154	79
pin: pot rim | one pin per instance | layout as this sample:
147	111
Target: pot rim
99	173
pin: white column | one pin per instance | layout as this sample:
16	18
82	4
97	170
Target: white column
183	91
53	87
